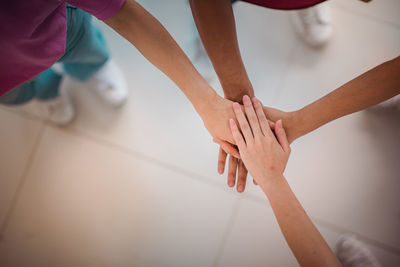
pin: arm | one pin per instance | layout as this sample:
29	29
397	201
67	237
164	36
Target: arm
153	41
266	156
368	89
303	238
216	25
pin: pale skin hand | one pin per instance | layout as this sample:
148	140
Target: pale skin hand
215	115
140	28
260	151
266	157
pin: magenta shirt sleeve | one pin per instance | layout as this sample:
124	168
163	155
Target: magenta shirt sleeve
101	9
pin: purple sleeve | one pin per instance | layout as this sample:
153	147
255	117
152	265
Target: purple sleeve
101	9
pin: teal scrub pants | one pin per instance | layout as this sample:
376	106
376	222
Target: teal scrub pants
85	53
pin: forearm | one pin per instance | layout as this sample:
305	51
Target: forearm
153	41
368	89
216	25
303	238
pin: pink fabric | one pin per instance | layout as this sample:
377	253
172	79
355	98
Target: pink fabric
285	4
33	35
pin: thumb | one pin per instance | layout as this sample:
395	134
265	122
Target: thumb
281	136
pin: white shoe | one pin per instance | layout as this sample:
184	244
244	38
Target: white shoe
60	110
313	24
353	253
109	83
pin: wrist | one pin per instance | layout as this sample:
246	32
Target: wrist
205	104
295	125
271	182
235	92
301	124
204	96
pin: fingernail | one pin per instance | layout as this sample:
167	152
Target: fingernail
236	105
246	99
230	183
240	188
220	170
232	122
279	123
254	100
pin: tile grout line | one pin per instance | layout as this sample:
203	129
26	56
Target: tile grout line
227	231
24	114
366	16
21	183
130	152
136	154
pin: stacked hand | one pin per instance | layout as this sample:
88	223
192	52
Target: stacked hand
264	148
216	115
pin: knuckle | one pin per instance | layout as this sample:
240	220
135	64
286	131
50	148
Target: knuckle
236	135
245	126
253	119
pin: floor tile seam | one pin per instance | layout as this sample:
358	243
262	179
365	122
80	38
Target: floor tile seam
23	114
367	16
227	232
136	154
22	180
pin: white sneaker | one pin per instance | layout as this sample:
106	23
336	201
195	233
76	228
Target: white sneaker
313	24
60	110
353	253
109	83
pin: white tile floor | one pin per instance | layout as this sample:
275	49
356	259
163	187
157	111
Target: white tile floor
138	186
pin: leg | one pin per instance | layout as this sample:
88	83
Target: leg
44	86
87	59
86	51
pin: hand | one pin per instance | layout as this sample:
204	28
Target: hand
235	165
215	115
264	155
292	122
